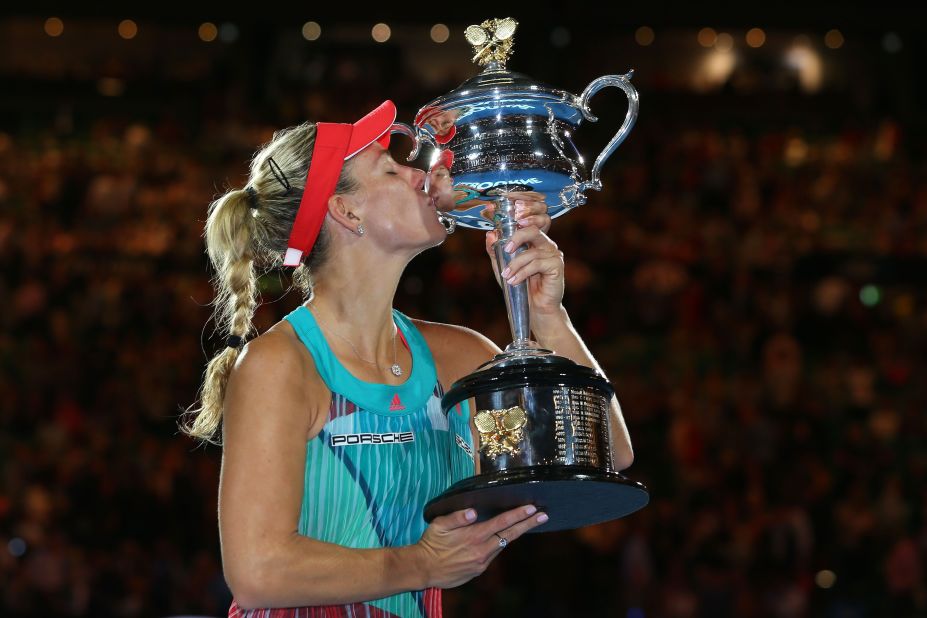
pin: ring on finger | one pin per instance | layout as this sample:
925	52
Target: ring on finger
502	540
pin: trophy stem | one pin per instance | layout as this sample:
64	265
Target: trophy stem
516	296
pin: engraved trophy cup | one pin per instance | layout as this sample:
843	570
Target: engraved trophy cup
540	421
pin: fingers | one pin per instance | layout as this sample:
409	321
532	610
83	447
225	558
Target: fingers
513	532
532	212
516	273
541	222
457	519
451	557
504	520
543	256
533	235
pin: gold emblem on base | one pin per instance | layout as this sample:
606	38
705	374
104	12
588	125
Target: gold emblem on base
501	431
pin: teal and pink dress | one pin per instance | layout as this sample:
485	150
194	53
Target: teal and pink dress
384	451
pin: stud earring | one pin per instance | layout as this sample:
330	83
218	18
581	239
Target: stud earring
360	229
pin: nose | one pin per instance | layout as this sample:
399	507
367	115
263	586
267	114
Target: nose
418	178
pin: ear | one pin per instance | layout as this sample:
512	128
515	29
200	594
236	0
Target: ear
340	210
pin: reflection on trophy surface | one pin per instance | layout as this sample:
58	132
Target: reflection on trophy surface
541	421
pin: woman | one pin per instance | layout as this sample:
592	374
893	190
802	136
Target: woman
333	435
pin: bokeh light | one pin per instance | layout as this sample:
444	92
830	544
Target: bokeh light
756	37
54	26
891	42
644	35
110	86
16	546
228	32
312	31
380	33
127	29
870	295
834	39
707	37
440	33
825	579
208	32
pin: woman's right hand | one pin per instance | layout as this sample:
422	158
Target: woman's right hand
455	549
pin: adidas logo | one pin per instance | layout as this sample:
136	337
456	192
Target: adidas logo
396	404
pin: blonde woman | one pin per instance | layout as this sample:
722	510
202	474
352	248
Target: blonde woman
331	425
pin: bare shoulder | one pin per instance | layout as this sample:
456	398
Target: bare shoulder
275	372
274	355
457	350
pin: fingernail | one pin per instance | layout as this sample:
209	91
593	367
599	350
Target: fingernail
511	279
520	211
519	203
505	273
542	518
509	247
470	515
531	509
523	222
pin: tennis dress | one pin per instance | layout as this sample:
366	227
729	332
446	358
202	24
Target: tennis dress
384	452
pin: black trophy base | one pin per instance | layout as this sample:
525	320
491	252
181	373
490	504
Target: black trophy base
571	496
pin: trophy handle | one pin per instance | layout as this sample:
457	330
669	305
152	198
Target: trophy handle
417	135
623	82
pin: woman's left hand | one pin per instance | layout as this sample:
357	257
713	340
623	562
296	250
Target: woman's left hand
541	262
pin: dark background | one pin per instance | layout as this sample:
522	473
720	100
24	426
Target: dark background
751	278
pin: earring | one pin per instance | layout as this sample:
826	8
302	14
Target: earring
360	229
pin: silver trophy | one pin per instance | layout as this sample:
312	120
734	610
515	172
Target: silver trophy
540	420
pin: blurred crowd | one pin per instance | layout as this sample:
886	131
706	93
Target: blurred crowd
753	293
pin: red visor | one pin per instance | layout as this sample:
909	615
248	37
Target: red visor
445	158
422	117
446	137
335	143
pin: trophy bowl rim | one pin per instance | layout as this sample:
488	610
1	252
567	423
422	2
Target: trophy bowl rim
534	374
462	95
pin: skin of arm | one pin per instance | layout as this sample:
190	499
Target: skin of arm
555	332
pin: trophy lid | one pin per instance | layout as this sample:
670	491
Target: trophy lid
493	42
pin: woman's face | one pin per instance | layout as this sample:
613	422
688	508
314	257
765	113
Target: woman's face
392	203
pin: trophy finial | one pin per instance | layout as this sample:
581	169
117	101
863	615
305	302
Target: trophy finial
492	41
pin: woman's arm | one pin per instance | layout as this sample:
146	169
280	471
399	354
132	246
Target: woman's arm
541	264
273	403
555	332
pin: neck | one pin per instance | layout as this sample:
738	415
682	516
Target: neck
353	295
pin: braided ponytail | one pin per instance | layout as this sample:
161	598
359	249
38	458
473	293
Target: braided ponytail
246	231
228	237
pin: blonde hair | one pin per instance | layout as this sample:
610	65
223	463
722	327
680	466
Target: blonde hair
239	241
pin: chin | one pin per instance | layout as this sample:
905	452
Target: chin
436	235
439	236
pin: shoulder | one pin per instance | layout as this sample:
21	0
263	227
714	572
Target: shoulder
457	350
275	371
276	354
